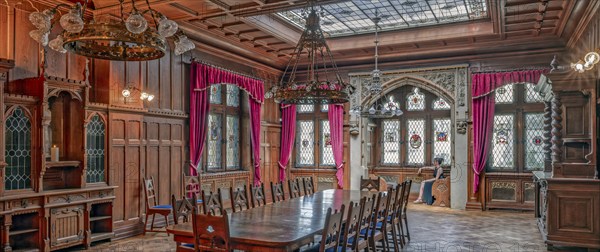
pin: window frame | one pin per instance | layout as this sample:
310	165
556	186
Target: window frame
223	110
317	116
104	121
32	136
428	114
518	108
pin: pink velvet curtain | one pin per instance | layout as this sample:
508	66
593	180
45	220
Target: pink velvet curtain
202	76
288	133
336	129
482	89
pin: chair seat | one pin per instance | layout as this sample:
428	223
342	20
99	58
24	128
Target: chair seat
351	240
199	201
362	232
188	245
316	247
161	207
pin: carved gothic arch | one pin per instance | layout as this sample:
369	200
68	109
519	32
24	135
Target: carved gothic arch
415	81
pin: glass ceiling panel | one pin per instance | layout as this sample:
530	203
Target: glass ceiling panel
354	17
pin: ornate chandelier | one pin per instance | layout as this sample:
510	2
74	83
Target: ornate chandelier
128	39
383	106
315	87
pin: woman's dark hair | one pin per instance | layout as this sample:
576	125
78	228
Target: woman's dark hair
439	160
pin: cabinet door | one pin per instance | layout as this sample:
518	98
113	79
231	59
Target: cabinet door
66	226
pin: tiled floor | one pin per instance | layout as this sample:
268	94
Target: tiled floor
431	228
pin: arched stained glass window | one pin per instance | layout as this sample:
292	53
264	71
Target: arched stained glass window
95	150
415	101
18	151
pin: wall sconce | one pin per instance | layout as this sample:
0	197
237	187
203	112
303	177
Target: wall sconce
144	96
588	62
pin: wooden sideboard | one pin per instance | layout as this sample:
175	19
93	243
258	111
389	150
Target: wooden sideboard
568	210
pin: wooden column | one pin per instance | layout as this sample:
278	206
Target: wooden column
547	136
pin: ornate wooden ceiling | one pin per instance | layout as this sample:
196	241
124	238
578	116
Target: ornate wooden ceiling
250	29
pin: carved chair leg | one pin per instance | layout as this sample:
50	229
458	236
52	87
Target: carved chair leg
406	225
395	237
152	225
146	224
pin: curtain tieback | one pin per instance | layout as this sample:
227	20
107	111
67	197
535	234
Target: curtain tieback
340	166
281	166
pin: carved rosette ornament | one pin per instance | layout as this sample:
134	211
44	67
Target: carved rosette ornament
557	141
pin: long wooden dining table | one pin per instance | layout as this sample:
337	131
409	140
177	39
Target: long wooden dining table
281	226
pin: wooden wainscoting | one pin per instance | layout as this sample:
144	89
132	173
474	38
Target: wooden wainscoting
509	191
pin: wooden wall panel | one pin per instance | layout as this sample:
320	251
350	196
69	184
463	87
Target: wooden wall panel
5	45
165	83
26	49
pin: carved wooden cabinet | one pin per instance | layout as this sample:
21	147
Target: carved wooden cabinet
66	226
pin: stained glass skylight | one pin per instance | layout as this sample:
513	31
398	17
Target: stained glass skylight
354	17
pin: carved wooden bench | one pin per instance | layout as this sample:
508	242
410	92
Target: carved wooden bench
441	192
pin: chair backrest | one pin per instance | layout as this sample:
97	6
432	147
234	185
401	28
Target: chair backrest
239	199
182	208
332	230
211	232
406	195
399	203
351	228
380	213
294	186
366	215
258	195
149	191
309	185
212	203
369	184
191	186
277	192
392	194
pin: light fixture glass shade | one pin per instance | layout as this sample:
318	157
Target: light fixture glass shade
136	23
40	36
72	21
126	93
592	58
150	97
57	44
166	27
183	44
144	96
42	20
372	111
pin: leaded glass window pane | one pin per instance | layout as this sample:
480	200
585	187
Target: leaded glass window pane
214	142
416	141
305	108
326	149
233	142
442	139
18	151
531	96
503	142
440	104
233	96
215	94
505	94
95	150
415	100
305	155
324	107
534	141
391	142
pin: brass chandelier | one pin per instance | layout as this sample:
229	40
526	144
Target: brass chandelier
128	39
315	87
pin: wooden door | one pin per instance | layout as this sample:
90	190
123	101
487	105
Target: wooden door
66	226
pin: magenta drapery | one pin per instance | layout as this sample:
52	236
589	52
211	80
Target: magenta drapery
336	129
288	133
484	84
202	76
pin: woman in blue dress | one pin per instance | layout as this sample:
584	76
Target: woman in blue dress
438	173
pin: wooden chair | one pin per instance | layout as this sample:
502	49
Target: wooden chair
192	187
183	209
213	203
350	235
386	228
239	199
404	206
277	192
378	223
364	223
309	185
211	232
370	184
395	222
331	231
152	207
294	186
258	196
440	190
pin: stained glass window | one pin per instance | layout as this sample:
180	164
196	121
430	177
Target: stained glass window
534	141
391	141
503	142
324	107
416	141
415	100
304	143
214	142
305	108
505	94
442	139
233	142
215	94
326	149
233	95
531	96
95	150
18	151
440	104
